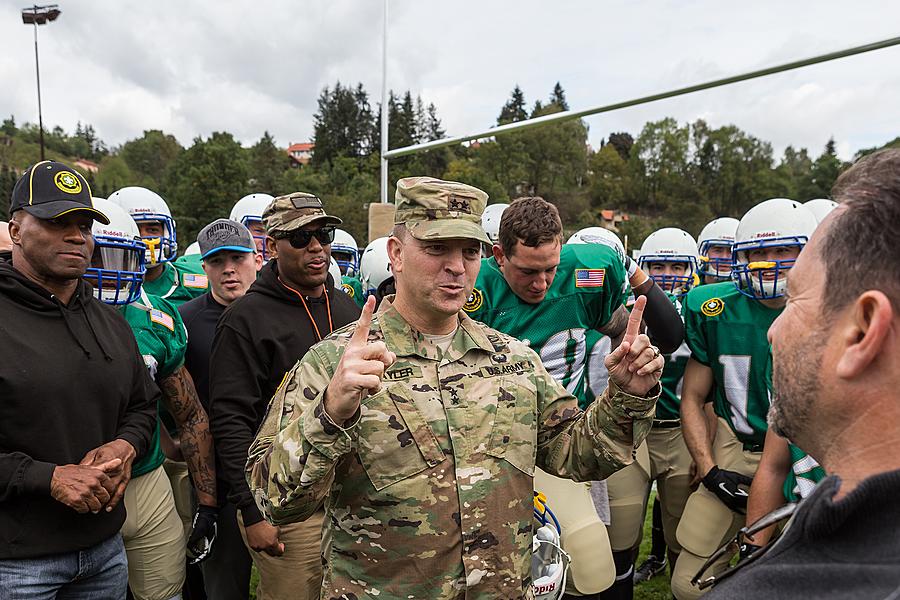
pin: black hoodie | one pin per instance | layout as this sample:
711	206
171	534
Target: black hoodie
258	339
71	379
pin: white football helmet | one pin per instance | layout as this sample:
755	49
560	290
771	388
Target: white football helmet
248	211
599	235
674	245
718	232
820	207
345	250
144	205
117	265
374	266
194	248
490	220
549	562
773	223
334	269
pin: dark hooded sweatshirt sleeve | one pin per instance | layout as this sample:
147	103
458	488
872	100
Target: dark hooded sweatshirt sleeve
258	339
71	379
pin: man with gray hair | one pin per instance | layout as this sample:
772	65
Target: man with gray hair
836	374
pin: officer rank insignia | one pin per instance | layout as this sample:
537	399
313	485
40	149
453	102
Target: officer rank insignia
474	302
712	307
589	278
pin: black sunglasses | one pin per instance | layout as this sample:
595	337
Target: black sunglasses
733	548
300	238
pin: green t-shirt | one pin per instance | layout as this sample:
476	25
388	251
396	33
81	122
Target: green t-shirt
162	340
353	288
804	475
726	331
586	291
177	284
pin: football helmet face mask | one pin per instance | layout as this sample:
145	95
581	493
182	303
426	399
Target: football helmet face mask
374	266
717	233
248	211
775	223
346	252
549	562
146	206
671	245
117	265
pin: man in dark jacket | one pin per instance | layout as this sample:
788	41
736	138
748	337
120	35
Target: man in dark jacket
292	306
78	405
836	373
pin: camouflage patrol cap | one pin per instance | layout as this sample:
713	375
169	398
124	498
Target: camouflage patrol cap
433	209
292	211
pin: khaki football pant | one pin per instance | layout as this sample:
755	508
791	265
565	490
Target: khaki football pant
154	538
584	535
183	491
707	523
297	574
627	501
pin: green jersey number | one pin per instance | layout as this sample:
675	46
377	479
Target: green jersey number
563	356
736	375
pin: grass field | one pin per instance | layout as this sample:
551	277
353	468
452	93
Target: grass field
655	589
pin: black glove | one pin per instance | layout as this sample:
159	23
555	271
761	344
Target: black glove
203	534
747	549
725	485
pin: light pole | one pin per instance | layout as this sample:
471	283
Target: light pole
39	15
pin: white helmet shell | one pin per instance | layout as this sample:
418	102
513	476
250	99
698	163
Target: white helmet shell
718	232
335	271
374	266
773	223
250	208
345	250
145	205
117	266
490	220
194	248
671	244
598	235
820	207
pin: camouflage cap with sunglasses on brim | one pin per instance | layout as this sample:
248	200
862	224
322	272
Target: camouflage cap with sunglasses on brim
433	209
50	189
290	212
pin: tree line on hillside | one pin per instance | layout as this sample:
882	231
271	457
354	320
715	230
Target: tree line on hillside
670	173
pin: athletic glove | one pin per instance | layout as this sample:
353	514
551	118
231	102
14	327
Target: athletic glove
726	486
203	534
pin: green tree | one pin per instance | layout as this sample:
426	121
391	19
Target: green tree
622	142
610	179
9	126
343	124
152	155
822	175
514	109
267	163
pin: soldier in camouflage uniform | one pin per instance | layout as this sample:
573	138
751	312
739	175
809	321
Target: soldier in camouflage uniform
420	428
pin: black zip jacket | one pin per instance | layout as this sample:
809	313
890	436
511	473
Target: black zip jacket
259	338
71	379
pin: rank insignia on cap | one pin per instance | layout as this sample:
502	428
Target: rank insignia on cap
459	203
589	278
158	316
712	307
199	282
474	302
67	182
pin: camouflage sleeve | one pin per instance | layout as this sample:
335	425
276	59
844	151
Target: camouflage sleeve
595	443
291	463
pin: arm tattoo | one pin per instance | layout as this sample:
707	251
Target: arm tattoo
615	327
181	398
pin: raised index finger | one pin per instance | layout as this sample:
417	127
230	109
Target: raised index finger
361	336
634	320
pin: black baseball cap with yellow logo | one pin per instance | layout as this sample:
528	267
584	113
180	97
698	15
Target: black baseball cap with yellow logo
50	189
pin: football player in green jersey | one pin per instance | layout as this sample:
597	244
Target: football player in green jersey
550	296
715	242
725	328
163	278
353	288
153	533
669	256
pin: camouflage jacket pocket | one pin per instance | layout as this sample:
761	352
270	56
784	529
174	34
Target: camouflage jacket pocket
394	440
514	434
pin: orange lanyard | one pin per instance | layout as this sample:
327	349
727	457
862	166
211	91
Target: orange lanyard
309	314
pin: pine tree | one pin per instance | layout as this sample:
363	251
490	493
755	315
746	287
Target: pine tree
514	109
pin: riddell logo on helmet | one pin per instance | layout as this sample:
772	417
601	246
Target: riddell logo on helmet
766	234
141	210
544	588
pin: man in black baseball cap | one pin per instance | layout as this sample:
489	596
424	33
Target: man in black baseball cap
78	404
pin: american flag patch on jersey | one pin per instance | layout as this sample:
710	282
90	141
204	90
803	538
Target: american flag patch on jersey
195	281
588	278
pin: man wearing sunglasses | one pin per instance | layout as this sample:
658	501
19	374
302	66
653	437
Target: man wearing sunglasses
290	307
836	372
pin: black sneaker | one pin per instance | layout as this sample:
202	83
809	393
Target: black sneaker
649	569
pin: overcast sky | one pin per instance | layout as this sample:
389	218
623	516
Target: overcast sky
193	67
